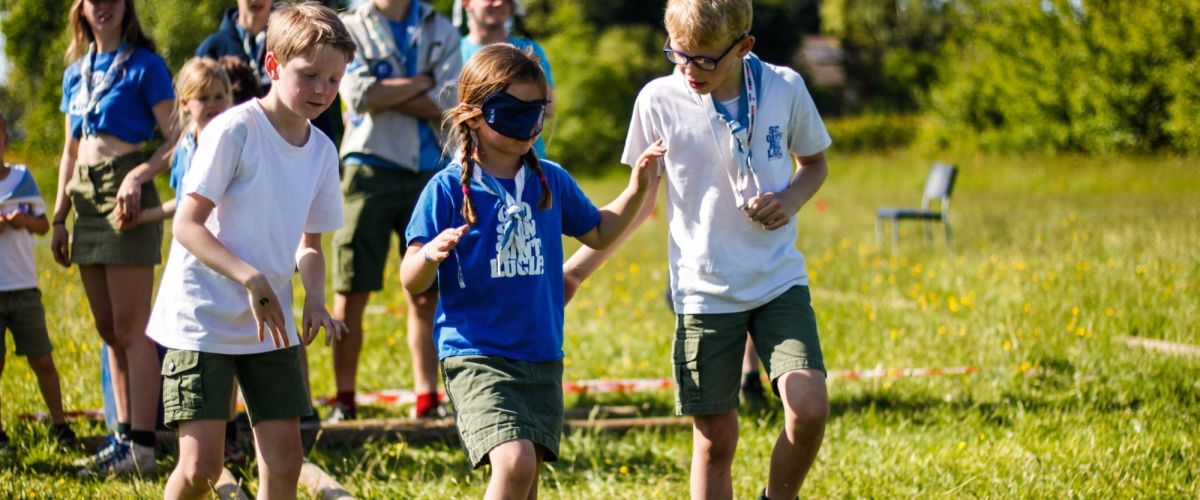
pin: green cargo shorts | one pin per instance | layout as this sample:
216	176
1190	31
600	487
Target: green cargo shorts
376	203
199	385
497	400
93	192
708	350
21	313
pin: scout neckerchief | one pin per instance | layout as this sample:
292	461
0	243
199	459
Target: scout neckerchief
741	131
87	99
255	48
513	211
381	36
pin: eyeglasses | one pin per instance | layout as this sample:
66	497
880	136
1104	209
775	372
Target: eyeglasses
703	62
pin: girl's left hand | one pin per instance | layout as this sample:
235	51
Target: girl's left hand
768	209
314	318
647	167
129	196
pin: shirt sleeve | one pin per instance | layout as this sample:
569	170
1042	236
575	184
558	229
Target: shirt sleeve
543	60
215	163
579	214
156	84
446	68
806	134
356	82
69	81
642	132
325	211
433	213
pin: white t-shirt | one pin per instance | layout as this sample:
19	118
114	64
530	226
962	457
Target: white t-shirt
267	194
721	261
18	192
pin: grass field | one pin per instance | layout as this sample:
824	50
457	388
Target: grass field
1056	260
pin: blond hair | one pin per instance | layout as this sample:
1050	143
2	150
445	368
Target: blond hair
701	22
296	30
196	76
492	69
82	36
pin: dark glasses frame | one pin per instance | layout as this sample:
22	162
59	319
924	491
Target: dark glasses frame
704	63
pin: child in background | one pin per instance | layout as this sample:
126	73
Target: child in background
23	214
262	187
489	229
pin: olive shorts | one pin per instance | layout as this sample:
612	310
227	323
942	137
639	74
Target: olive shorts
376	203
21	313
199	385
93	192
708	350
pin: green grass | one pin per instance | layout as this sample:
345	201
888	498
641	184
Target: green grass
1056	259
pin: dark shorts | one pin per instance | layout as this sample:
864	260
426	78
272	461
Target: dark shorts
708	350
93	192
497	400
199	385
21	313
376	203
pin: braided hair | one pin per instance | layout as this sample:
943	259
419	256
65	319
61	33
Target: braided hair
491	70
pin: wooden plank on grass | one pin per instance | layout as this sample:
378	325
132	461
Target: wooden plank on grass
321	485
227	487
1164	346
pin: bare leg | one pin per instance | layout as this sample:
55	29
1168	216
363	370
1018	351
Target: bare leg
421	310
280	456
514	471
95	285
137	358
348	307
805	410
200	459
714	440
47	377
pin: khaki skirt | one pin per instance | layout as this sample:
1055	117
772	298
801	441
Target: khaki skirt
93	192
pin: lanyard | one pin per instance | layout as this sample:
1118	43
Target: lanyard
512	213
88	99
254	47
741	145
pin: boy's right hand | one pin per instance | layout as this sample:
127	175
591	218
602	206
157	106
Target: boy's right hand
439	248
268	316
60	245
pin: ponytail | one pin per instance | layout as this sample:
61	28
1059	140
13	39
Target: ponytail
468	171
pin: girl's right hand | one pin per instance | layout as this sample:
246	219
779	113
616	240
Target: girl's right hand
60	245
268	316
439	248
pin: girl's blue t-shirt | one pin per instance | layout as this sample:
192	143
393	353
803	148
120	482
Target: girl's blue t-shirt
511	307
126	109
181	161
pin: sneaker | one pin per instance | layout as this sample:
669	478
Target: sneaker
63	435
341	413
433	412
119	458
310	423
234	454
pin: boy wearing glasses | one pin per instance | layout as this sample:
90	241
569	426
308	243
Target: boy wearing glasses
732	125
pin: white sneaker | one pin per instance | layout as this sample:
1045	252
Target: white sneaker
119	458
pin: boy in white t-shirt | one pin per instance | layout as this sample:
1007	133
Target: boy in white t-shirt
732	125
262	187
23	214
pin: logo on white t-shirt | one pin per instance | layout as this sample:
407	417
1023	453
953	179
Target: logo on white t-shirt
774	143
523	257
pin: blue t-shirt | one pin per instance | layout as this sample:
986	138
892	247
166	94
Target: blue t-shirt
511	307
126	109
181	161
469	49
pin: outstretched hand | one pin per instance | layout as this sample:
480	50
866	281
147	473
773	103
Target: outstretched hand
439	248
647	166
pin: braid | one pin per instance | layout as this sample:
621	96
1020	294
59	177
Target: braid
468	165
547	199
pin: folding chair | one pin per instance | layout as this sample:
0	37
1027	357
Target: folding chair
938	186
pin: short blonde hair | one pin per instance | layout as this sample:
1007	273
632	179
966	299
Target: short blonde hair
296	30
701	22
196	76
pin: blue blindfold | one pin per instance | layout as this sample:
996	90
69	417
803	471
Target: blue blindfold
512	117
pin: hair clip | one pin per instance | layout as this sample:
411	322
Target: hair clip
466	190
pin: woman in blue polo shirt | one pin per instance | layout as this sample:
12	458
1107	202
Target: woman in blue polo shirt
116	91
